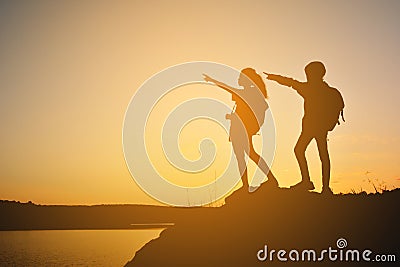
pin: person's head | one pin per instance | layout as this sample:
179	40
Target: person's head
315	71
250	78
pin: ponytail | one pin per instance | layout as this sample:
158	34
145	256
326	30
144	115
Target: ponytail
256	79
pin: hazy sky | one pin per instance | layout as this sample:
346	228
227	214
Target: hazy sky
68	70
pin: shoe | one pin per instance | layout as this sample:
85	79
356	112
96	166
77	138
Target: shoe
252	189
272	183
327	191
303	185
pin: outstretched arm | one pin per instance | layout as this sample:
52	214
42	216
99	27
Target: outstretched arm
222	85
298	86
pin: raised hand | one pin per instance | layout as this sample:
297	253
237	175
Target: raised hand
269	75
208	78
219	84
274	77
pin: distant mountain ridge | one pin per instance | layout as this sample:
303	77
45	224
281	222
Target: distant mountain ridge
29	216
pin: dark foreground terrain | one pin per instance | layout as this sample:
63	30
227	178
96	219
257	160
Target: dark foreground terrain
281	219
232	235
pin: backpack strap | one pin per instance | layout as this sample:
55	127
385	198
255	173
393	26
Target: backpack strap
342	114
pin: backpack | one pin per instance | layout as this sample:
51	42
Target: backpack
259	112
255	115
334	108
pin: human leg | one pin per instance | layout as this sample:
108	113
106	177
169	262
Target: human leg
299	151
322	145
238	138
241	161
260	161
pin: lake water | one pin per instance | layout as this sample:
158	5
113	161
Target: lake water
72	247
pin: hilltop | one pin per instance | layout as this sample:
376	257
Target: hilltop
281	219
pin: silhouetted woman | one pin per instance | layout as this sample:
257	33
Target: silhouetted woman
246	119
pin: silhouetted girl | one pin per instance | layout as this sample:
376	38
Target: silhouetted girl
246	119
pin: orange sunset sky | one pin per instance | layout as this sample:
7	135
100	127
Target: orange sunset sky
68	70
